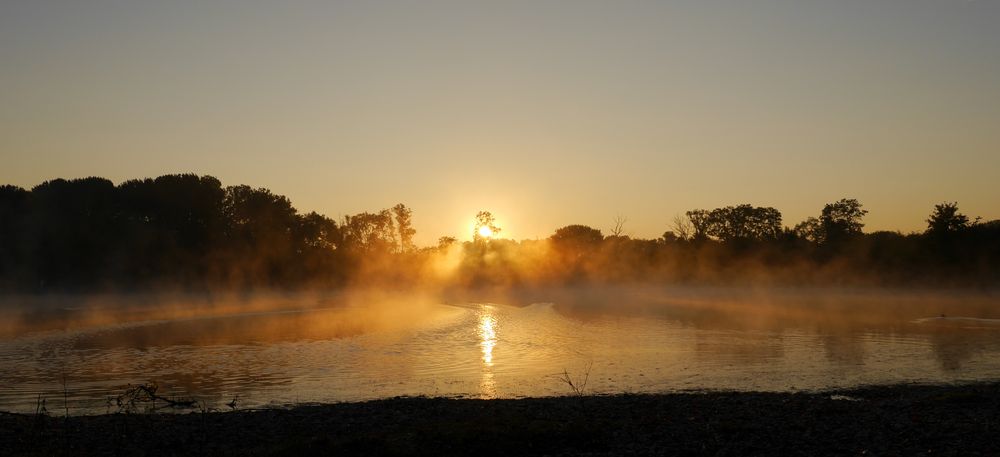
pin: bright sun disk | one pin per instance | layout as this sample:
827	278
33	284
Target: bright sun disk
485	232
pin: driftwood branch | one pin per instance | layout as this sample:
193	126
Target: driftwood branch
146	393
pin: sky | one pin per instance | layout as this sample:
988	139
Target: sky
546	113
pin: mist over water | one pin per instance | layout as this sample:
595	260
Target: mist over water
276	350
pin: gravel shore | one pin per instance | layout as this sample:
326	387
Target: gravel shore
903	420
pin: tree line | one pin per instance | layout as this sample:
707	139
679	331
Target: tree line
749	243
179	231
190	232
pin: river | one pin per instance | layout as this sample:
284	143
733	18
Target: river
594	343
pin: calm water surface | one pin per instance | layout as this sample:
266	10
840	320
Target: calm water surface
489	350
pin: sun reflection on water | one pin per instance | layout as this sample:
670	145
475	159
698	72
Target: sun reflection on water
487	334
487	341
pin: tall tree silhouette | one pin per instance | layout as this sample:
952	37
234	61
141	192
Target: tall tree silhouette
484	220
370	232
700	222
841	220
946	219
404	226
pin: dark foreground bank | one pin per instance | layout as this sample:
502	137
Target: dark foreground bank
897	420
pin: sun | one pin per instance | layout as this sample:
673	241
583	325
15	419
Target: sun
485	232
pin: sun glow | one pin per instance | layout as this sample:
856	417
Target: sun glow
485	232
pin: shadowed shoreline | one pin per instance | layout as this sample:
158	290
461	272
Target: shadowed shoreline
878	420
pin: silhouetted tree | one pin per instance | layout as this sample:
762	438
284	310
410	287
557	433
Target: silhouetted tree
700	222
319	232
404	225
14	207
577	237
810	229
573	246
946	219
484	219
682	227
171	225
744	222
618	229
261	226
446	242
13	203
370	232
72	230
841	220
317	239
257	216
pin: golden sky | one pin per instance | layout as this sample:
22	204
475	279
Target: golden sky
545	113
